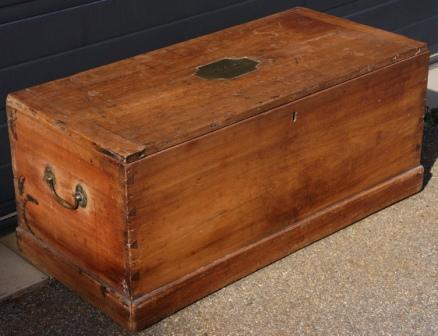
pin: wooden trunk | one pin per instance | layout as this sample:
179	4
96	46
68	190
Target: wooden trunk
206	160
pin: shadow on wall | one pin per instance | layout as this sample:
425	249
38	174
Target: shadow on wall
429	153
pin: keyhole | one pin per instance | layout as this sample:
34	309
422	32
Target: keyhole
294	116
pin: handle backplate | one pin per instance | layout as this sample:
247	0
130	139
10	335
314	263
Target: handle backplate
79	195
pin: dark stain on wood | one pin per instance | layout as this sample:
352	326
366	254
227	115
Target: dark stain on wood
32	199
104	290
109	153
135	276
133	244
136	156
24	203
61	124
228	177
21	181
132	212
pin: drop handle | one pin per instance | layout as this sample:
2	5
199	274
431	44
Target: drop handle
79	195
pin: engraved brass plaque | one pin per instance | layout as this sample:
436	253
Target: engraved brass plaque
227	68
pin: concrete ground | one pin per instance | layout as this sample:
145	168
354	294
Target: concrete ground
376	277
16	275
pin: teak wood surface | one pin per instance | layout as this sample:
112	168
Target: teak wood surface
194	183
153	101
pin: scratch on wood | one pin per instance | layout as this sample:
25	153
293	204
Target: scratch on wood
21	181
272	33
126	284
130	177
294	116
12	119
60	124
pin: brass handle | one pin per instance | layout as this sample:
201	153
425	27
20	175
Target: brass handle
79	196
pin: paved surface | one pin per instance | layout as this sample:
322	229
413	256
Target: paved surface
432	84
9	239
16	274
376	277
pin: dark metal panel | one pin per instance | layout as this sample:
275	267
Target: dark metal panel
75	27
13	10
356	6
6	186
8	3
324	5
58	38
426	30
8	223
393	15
2	114
4	145
6	208
415	19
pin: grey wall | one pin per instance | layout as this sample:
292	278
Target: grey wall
41	40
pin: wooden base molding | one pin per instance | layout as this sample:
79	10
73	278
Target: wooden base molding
150	308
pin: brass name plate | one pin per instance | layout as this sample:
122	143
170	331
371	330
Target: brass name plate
227	68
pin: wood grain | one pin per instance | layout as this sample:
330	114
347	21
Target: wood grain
88	287
194	183
94	237
153	101
204	199
168	299
140	313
